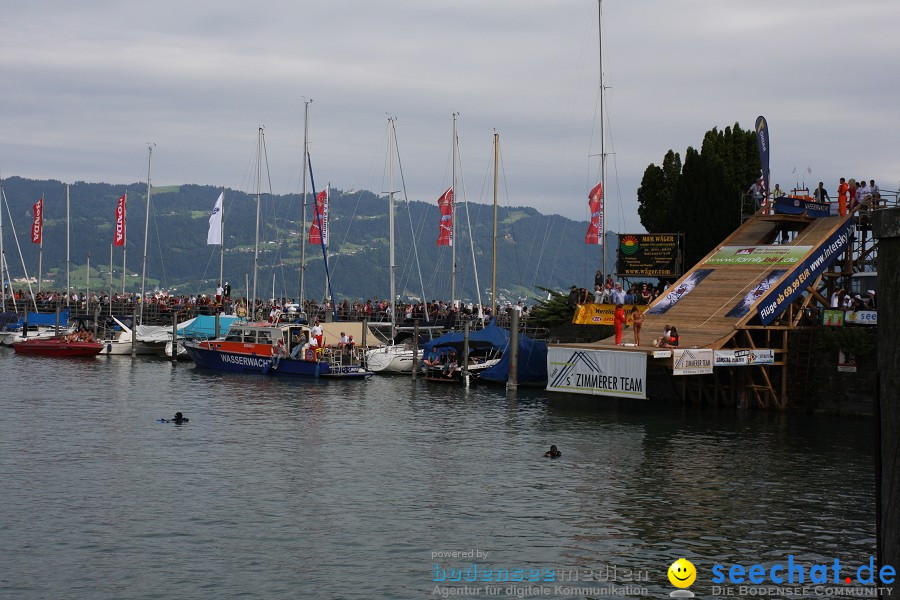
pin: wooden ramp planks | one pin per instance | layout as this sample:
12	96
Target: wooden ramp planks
701	315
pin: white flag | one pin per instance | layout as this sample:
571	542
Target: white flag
215	223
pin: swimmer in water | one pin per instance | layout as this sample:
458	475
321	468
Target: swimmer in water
179	418
553	452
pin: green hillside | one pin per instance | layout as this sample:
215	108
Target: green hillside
533	249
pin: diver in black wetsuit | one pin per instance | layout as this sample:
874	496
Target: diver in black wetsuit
179	418
553	452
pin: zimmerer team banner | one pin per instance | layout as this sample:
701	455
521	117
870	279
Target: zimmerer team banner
597	372
781	295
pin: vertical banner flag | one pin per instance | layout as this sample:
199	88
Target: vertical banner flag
214	235
37	226
445	203
119	238
595	202
762	138
320	215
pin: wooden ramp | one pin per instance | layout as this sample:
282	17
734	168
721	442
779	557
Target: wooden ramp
710	303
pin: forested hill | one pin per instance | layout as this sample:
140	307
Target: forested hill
534	250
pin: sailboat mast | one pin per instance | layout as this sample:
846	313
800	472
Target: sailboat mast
69	289
393	266
3	270
602	140
453	221
146	230
252	299
494	246
303	203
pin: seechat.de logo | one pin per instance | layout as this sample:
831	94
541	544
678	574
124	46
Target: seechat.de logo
682	574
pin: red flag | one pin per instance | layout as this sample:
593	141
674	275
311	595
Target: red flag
445	202
318	231
119	238
595	201
37	226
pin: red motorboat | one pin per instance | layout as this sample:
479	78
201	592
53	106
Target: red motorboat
57	347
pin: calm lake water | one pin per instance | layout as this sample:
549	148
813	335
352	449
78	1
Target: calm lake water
280	489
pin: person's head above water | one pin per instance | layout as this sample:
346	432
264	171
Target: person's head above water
553	452
178	418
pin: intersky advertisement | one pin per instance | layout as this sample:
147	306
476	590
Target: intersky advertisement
781	295
762	138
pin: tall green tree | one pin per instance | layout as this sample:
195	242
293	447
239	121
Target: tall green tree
702	197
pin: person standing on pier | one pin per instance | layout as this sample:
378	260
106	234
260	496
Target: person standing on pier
843	188
618	322
637	320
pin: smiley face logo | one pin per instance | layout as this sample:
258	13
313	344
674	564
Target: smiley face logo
682	573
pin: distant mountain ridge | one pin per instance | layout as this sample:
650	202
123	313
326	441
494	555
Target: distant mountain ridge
534	250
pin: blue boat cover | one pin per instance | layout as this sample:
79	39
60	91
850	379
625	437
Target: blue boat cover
532	353
42	319
204	326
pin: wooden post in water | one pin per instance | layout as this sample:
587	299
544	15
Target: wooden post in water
175	334
415	365
134	315
886	227
512	378
465	356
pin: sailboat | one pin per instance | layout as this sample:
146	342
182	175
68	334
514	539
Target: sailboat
486	353
393	357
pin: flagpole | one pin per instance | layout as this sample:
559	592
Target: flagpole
110	277
303	232
41	246
453	222
124	242
146	231
602	140
222	242
68	289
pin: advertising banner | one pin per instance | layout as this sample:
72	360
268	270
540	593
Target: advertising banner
762	356
601	314
731	358
597	372
743	307
861	317
649	255
833	317
676	293
692	361
779	297
758	255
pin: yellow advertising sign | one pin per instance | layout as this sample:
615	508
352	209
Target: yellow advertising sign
600	314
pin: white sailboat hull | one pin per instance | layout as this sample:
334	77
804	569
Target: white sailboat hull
391	359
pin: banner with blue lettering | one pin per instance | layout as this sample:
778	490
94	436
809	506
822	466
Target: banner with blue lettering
782	294
762	139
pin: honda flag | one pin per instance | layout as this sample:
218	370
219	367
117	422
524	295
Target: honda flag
445	203
119	239
318	231
595	201
37	226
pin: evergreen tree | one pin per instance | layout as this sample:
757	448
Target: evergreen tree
702	199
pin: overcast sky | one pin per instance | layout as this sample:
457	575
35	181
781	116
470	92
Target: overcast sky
85	86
